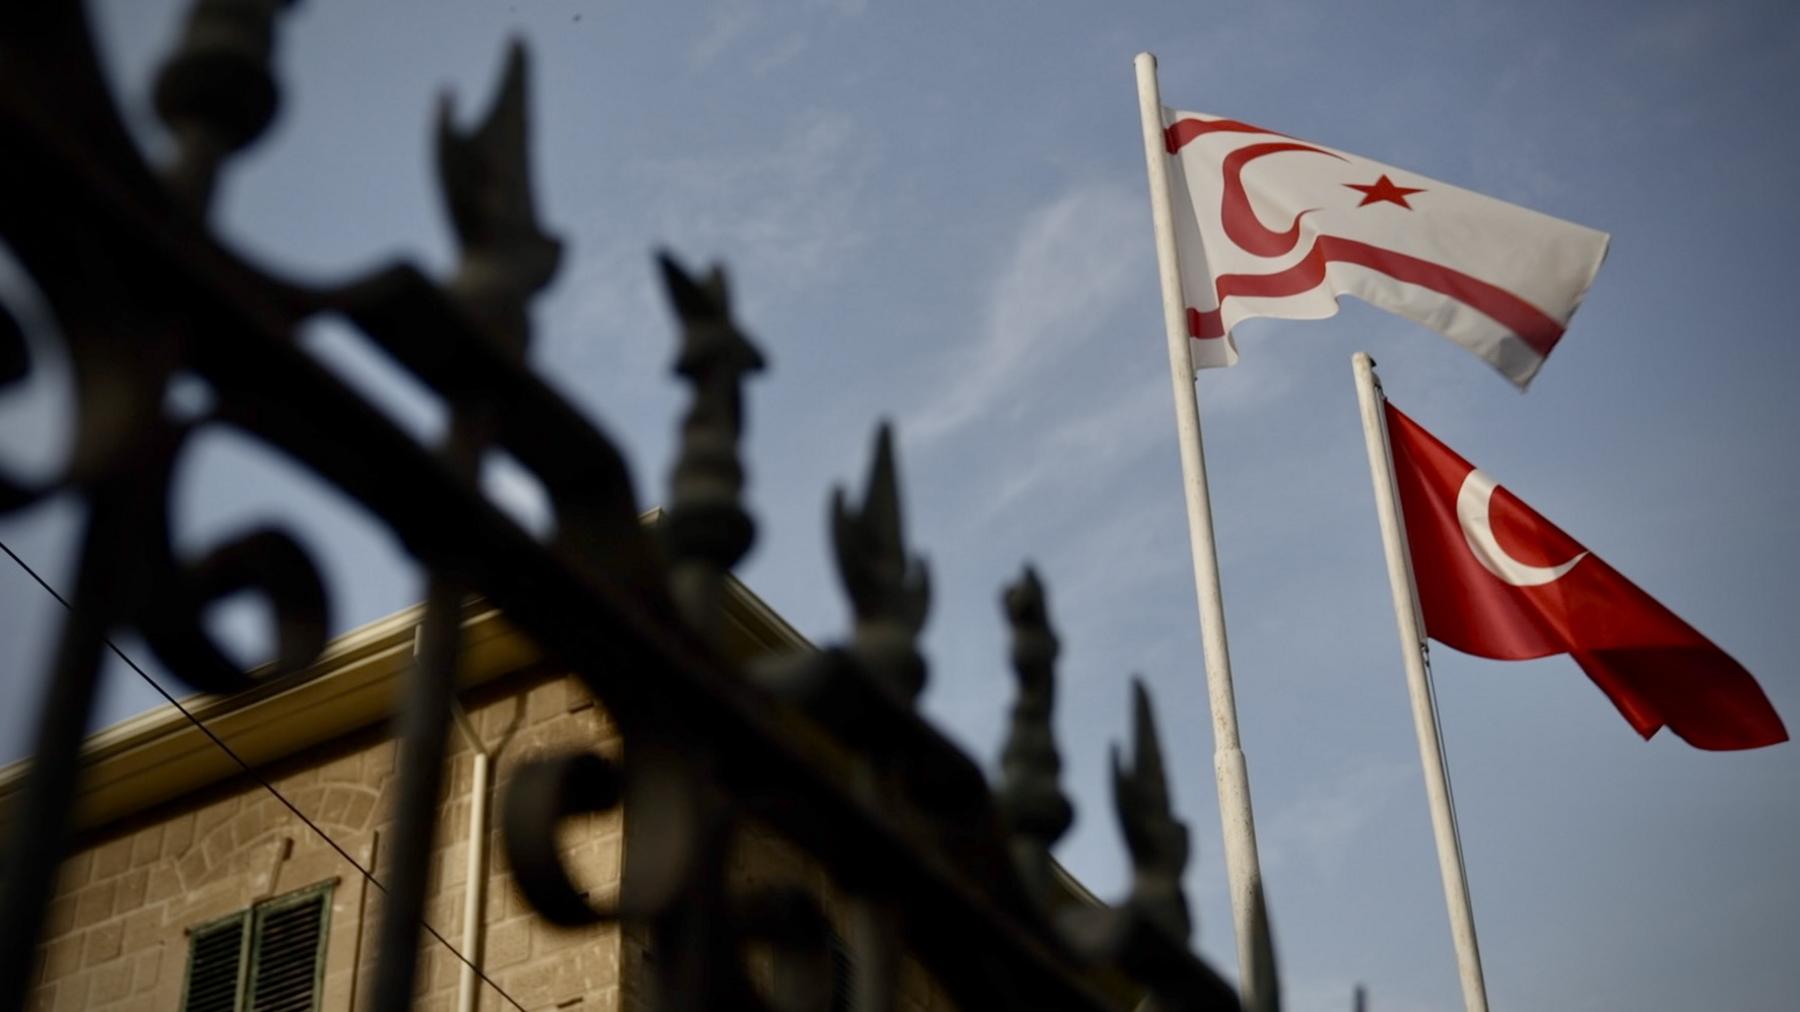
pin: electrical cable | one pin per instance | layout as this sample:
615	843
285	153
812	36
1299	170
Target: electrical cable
251	772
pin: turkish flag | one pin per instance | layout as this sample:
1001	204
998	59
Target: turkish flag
1267	225
1497	580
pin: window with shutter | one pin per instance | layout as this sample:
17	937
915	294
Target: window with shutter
288	952
216	966
270	958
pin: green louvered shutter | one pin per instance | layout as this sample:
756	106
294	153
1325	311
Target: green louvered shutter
216	966
288	953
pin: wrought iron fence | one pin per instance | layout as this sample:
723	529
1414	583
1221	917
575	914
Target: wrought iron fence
934	862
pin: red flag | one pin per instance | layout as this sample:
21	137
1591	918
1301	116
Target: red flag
1497	580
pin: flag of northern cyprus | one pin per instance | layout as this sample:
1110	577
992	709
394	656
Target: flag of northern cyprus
1267	225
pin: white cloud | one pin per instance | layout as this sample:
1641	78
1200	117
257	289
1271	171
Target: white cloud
779	55
1076	260
731	24
799	203
726	24
1120	562
796	206
609	311
1111	436
1317	829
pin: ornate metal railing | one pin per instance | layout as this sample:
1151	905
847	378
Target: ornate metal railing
823	748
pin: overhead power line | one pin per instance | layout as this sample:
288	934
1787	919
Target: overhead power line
254	775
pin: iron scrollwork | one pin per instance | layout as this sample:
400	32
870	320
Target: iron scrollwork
823	750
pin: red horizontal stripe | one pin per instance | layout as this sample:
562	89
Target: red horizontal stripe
1205	325
1525	320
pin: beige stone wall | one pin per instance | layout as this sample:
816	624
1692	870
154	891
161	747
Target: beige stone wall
126	897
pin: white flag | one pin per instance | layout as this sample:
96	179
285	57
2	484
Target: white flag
1266	225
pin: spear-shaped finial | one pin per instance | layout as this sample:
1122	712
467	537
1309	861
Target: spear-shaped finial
714	353
216	93
485	174
706	530
1030	798
1157	840
889	590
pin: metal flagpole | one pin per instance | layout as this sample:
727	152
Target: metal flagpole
1418	682
1241	863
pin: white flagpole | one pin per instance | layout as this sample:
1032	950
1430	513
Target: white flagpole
1242	866
1418	682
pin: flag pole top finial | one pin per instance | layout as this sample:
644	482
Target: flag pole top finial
1362	362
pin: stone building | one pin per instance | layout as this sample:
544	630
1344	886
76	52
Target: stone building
194	887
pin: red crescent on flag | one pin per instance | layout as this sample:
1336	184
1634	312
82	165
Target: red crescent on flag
1530	323
1241	223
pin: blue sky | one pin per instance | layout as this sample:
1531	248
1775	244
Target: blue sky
935	213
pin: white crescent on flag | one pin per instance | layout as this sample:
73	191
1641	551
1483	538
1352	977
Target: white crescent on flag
1474	499
1266	225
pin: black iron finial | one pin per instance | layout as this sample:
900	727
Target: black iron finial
1157	840
485	174
706	529
889	590
1030	798
216	92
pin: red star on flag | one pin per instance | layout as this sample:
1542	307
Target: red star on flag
1383	189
